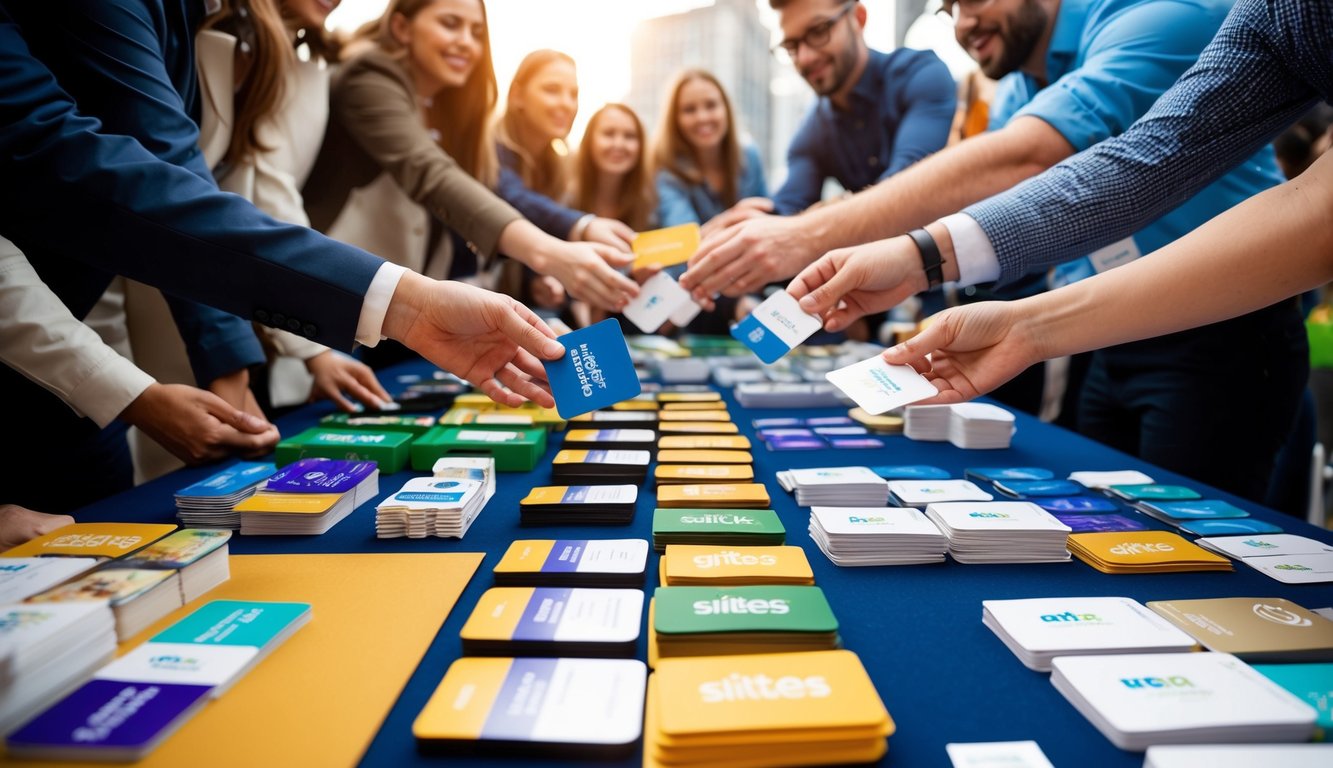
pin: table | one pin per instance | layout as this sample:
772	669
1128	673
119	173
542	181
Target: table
943	676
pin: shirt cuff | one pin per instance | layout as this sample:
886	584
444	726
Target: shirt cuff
977	262
109	389
376	303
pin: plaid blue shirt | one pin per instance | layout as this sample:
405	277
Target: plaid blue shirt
1267	65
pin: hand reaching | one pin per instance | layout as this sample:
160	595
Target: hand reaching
197	426
745	257
20	524
588	272
336	373
746	208
610	232
849	283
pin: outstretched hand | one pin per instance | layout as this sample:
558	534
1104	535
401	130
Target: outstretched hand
849	283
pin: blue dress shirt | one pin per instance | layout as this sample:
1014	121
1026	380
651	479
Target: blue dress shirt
901	110
680	202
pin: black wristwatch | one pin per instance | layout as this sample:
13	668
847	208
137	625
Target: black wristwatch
931	261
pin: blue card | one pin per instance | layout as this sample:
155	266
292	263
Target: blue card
1025	488
1203	509
775	327
1243	526
320	476
830	421
1099	523
841	431
910	472
118	719
855	443
774	434
1075	504
231	480
596	371
991	474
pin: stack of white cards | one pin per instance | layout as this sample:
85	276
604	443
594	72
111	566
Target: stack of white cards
1039	629
444	506
927	422
1285	557
1001	532
1239	756
768	394
46	649
1140	700
836	486
919	493
211	502
877	536
1099	481
980	426
23	577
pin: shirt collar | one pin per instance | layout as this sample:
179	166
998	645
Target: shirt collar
869	87
1067	37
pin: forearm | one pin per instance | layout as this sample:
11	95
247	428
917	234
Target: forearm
523	242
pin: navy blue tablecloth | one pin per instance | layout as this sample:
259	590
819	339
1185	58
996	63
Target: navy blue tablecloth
943	676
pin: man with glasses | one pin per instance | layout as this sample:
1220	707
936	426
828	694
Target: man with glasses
1072	73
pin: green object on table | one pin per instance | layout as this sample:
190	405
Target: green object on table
517	449
1321	340
387	449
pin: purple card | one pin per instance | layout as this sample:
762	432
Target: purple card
855	443
320	476
830	421
776	434
1075	504
109	716
775	423
796	444
1099	523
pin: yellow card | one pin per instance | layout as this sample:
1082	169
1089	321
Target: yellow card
497	613
704	442
704	473
693	416
93	540
691	564
666	247
714	405
475	400
1142	548
546	494
689	397
707	496
635	405
289	503
685	456
697	427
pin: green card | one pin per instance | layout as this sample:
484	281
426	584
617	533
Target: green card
709	610
721	521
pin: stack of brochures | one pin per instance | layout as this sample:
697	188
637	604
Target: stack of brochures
23	577
1001	532
597	466
309	496
48	649
722	621
574	709
1287	558
812	708
573	563
835	486
444	505
767	394
1140	700
722	527
1239	756
137	597
136	702
686	565
1256	629
919	493
1039	629
554	621
199	558
853	536
1143	552
210	503
579	505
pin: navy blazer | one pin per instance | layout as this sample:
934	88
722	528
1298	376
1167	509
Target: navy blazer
128	193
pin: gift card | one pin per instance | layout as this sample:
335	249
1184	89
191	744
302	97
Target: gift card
659	297
665	247
878	387
776	327
595	372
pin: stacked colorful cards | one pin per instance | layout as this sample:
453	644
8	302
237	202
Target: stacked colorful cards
573	563
704	456
97	540
1100	480
877	536
46	650
445	505
686	565
919	493
568	708
210	502
613	419
309	497
1001	532
23	577
773	394
1256	629
835	486
1039	629
133	704
597	466
1289	559
578	505
1143	552
810	708
388	450
413	424
722	621
1140	700
720	527
199	558
554	621
613	439
682	474
703	443
514	450
714	496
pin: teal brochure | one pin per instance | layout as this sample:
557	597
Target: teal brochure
235	622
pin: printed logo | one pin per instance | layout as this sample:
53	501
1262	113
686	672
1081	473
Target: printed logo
1069	616
738	687
1279	615
756	335
734	604
1291	567
732	557
991	515
174	663
1156	682
1258	544
865	520
1135	548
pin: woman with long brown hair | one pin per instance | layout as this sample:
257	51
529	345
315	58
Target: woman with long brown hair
611	177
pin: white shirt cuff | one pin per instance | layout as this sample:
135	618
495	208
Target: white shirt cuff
109	390
376	303
977	262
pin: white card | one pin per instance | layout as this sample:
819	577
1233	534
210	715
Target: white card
913	492
659	297
879	387
1240	755
685	313
23	577
835	476
1107	479
1296	569
180	664
613	556
993	754
1047	624
854	521
995	516
1265	545
776	327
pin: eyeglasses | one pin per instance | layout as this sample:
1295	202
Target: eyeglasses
817	36
957	8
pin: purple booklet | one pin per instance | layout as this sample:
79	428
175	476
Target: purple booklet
320	476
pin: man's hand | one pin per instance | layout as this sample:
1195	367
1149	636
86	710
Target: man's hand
588	272
746	208
610	232
20	524
850	283
747	256
336	373
492	341
198	426
547	292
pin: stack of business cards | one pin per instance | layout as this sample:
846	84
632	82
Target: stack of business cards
927	422
570	708
434	506
810	708
1287	558
919	493
1310	683
554	621
1260	629
578	505
1143	552
772	394
599	466
199	558
613	419
686	565
714	496
411	423
721	527
23	577
1239	756
1140	700
697	427
1101	480
618	439
99	540
721	621
980	426
1140	492
1001	532
704	456
877	536
46	650
703	443
573	563
209	503
683	474
1079	522
836	486
388	450
309	496
1039	629
138	597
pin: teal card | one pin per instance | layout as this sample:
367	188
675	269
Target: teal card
1311	683
236	622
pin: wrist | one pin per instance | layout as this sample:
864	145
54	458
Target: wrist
133	413
405	306
580	227
932	273
524	243
944	242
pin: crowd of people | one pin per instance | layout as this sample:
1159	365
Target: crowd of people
296	195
